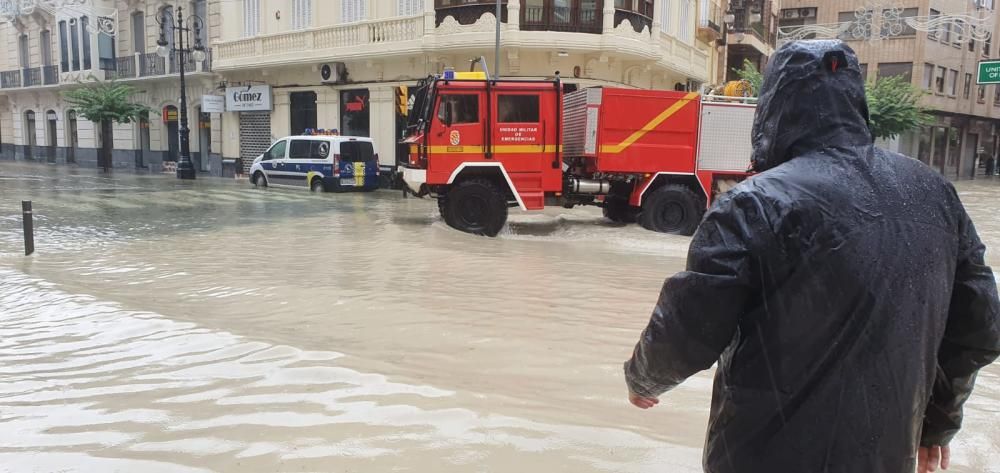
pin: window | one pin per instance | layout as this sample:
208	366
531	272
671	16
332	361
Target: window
277	151
855	30
45	44
354	113
988	45
665	13
63	47
864	72
517	109
685	31
409	7
320	149
956	36
891	69
972	45
201	10
356	151
303	111
967	92
928	76
106	51
623	4
301	14
464	108
645	8
933	34
996	96
251	17
939	79
353	10
138	32
981	95
300	149
22	46
85	33
907	29
951	82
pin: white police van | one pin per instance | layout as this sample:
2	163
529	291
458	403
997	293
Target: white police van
320	161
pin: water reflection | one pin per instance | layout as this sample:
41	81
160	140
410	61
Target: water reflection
178	326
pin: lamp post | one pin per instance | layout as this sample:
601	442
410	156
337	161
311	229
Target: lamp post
185	168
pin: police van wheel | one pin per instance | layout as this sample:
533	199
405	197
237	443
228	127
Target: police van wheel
317	185
672	209
476	206
259	180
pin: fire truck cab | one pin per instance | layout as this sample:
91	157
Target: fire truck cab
481	146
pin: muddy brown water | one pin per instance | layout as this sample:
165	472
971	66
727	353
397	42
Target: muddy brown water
207	326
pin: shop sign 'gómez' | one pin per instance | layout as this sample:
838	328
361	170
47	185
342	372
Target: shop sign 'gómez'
248	99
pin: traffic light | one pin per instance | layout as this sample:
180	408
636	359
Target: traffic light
402	100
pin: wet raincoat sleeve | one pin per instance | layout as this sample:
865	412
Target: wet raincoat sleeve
971	338
698	310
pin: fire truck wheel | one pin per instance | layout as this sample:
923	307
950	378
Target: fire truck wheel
476	206
259	180
317	185
673	209
618	210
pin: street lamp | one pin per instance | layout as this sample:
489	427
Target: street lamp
185	168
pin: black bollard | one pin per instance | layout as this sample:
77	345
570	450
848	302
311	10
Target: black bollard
29	227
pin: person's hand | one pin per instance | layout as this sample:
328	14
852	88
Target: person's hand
929	458
642	402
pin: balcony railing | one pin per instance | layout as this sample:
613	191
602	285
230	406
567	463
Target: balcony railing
637	20
32	76
466	12
50	75
711	17
10	79
549	17
126	67
307	41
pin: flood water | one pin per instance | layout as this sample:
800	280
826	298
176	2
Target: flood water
169	326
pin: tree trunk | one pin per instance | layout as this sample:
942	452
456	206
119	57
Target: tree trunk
107	140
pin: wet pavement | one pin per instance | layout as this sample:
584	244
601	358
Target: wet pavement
208	326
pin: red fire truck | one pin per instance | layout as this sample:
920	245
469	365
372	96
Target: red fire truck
483	145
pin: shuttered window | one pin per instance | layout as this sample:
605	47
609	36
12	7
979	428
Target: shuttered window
665	17
409	7
352	11
251	17
301	14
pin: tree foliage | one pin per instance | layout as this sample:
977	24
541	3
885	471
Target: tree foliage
893	102
894	106
106	102
750	74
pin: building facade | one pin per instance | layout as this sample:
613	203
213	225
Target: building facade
943	62
282	66
50	50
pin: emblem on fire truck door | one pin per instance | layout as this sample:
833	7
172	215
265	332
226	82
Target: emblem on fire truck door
455	137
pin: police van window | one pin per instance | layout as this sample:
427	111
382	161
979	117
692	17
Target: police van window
356	151
464	108
277	151
517	109
299	149
319	150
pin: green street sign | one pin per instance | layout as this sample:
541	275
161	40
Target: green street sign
989	72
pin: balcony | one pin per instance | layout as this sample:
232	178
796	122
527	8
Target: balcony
32	76
568	17
466	12
710	23
637	20
136	66
351	41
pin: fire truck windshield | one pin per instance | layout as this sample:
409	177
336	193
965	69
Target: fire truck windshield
420	107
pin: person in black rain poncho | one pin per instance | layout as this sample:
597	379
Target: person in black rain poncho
842	290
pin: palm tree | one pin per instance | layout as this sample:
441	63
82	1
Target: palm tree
106	103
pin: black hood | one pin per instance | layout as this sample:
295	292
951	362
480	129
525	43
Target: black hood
813	97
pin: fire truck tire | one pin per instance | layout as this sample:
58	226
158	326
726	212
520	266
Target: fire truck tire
618	210
672	209
259	180
475	206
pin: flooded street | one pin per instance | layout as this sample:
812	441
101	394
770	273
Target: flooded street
180	326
